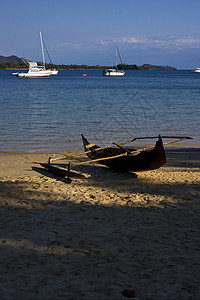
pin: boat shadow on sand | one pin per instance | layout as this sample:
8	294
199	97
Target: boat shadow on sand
48	174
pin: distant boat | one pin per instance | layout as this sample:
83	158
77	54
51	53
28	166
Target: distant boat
51	72
197	70
35	70
114	72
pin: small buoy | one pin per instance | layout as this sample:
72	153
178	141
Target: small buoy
84	75
128	293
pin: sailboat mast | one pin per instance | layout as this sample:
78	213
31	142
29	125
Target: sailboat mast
116	54
42	49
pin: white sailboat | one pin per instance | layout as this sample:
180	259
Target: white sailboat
49	71
35	70
114	72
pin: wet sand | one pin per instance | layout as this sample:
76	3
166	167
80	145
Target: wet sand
93	238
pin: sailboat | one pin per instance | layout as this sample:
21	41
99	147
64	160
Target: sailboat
49	71
114	72
35	70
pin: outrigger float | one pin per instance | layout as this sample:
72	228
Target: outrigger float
116	157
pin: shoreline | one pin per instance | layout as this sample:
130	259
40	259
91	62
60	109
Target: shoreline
93	238
71	150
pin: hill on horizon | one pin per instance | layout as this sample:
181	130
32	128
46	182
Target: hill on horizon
10	59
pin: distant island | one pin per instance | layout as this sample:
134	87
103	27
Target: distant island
14	62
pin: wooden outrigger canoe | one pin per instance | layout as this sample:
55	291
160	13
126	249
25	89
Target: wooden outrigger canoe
116	157
127	159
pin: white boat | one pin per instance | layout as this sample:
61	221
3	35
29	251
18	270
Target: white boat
49	71
114	72
197	70
52	72
35	70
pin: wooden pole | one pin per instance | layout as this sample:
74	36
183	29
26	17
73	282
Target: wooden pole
128	151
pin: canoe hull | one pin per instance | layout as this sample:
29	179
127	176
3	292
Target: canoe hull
142	161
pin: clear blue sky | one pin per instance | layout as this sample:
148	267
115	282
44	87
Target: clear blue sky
161	32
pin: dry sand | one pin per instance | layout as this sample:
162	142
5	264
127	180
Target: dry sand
92	238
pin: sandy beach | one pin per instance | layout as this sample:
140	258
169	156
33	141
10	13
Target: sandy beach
94	238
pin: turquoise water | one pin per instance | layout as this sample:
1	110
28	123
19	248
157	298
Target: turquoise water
51	113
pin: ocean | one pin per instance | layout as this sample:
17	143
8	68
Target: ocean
50	114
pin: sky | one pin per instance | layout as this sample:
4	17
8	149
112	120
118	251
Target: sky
157	32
